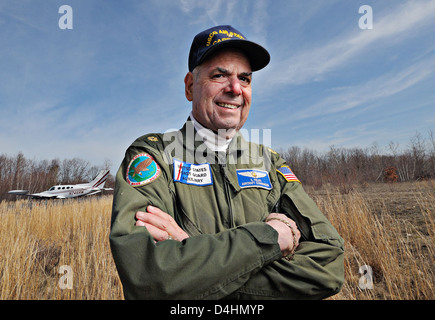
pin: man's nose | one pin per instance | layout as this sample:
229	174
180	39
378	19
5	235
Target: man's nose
234	87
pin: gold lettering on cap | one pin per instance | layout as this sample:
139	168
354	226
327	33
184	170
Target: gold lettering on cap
229	34
210	37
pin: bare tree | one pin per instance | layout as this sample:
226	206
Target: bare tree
418	155
343	167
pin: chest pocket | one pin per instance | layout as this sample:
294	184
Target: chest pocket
201	208
222	205
257	195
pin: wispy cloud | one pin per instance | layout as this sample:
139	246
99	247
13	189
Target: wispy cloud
351	97
259	21
211	12
314	64
252	14
90	91
379	88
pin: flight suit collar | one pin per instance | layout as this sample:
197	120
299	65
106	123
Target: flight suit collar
192	142
240	154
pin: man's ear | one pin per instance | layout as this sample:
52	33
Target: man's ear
188	86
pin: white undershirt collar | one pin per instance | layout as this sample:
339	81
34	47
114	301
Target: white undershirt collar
212	140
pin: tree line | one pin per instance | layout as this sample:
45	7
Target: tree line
20	173
349	166
342	167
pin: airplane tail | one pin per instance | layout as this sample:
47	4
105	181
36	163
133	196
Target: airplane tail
100	179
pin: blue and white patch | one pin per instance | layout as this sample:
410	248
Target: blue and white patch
252	178
194	174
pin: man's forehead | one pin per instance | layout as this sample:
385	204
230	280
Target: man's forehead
230	60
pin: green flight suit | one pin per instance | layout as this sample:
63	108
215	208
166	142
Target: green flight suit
231	252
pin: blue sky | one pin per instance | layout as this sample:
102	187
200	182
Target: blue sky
90	91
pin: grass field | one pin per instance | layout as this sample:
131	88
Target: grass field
37	238
60	249
389	227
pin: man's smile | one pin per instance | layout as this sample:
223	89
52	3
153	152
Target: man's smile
227	105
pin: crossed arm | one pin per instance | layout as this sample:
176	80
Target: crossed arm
315	272
162	227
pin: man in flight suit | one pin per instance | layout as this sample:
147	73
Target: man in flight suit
200	213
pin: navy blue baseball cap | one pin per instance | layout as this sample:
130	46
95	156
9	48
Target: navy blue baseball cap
211	40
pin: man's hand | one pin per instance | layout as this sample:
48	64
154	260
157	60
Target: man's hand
160	225
285	234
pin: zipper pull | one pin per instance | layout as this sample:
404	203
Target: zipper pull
277	206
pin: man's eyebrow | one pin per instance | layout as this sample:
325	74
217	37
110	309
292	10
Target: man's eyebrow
222	70
225	71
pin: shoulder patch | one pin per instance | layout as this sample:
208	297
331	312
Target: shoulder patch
287	173
142	169
153	138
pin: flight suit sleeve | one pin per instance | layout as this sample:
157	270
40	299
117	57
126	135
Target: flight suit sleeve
317	268
200	267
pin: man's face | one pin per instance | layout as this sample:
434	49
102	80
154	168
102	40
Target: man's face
220	91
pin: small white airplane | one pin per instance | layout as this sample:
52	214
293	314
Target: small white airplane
69	191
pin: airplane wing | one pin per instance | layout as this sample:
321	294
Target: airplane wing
32	195
42	196
20	192
94	192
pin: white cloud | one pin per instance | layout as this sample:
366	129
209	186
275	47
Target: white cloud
314	64
214	11
108	81
237	13
376	89
361	96
259	21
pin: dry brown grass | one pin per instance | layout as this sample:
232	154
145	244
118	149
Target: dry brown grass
391	229
39	237
388	227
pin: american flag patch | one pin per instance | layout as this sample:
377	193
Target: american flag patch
287	173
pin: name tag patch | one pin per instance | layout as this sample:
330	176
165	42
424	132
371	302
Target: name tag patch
248	178
194	174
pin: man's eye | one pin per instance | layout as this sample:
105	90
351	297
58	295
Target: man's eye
218	76
245	79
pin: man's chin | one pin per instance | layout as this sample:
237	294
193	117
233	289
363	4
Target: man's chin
227	133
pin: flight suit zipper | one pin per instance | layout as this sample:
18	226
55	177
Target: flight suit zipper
277	206
226	182
227	195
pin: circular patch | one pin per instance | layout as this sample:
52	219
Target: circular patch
142	170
